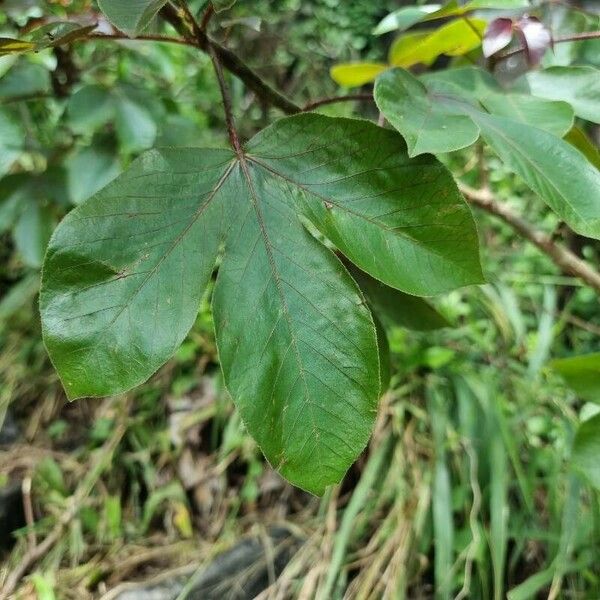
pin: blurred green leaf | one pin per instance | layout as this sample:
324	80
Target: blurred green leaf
131	16
220	5
89	108
586	450
577	85
12	139
582	373
59	34
578	138
32	232
404	18
89	170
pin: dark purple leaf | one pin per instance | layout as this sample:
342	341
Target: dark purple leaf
536	38
498	35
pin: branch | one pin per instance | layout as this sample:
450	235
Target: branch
193	33
140	38
348	98
574	37
568	262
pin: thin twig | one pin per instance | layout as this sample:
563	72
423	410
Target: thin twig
140	38
349	98
200	40
28	511
568	262
229	60
102	461
574	37
206	17
227	106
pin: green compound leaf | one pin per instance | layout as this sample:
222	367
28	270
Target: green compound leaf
130	16
125	272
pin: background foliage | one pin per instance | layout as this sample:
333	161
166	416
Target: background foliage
478	481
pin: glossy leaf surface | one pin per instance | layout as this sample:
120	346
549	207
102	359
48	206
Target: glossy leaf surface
402	221
125	272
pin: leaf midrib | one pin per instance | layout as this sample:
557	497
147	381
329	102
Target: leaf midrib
276	278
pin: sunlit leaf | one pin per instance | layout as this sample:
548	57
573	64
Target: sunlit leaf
404	18
356	74
453	39
401	53
10	46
